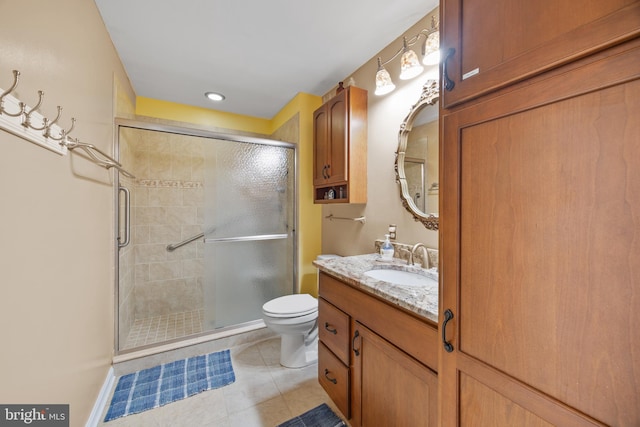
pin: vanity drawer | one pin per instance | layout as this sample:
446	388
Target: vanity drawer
333	376
333	329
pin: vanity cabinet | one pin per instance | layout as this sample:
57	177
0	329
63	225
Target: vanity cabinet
390	388
333	354
539	246
391	358
340	148
500	42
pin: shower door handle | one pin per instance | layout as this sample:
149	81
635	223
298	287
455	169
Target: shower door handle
127	218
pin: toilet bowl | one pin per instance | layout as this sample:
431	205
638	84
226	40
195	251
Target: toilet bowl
295	319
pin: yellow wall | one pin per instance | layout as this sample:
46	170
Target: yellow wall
57	250
303	105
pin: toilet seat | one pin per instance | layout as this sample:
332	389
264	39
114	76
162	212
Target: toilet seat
291	306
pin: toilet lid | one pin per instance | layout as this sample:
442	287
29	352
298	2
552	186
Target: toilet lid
291	306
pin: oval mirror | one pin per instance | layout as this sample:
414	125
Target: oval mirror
417	157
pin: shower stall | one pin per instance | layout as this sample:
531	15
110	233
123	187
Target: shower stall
206	232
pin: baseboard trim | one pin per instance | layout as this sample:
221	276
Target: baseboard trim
103	399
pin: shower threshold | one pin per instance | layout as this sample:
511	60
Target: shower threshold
224	335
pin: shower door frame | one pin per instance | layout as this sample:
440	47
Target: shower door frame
157	127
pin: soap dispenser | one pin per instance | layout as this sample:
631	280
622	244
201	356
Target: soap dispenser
386	250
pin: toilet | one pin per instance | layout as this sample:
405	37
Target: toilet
295	319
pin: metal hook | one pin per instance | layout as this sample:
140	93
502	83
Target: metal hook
45	124
64	133
47	130
16	75
27	118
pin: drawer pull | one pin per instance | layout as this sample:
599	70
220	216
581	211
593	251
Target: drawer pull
332	330
326	375
353	343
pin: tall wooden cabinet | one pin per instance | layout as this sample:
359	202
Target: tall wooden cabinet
540	216
340	148
499	42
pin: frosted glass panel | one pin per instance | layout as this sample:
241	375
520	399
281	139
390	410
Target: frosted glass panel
242	287
249	195
247	188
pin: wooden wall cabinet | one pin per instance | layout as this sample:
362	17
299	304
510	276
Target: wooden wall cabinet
340	148
389	363
500	42
539	243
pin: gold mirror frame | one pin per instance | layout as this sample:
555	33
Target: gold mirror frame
430	95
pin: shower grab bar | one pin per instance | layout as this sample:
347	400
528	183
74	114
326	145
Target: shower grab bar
173	247
247	238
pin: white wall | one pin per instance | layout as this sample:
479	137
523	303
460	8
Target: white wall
383	207
56	225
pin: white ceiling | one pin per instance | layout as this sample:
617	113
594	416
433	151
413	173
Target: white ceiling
258	53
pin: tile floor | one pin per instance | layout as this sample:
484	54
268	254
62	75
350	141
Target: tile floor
264	394
157	329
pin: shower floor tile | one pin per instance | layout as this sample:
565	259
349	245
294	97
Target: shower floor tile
152	330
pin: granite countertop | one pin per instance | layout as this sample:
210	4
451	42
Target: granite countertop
422	300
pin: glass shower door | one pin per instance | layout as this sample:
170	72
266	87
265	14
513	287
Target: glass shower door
249	229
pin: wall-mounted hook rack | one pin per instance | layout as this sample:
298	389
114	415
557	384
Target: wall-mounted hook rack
18	118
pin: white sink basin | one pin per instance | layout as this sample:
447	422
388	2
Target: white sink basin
400	277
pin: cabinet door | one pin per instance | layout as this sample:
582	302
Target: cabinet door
330	139
391	389
541	250
320	145
498	42
338	111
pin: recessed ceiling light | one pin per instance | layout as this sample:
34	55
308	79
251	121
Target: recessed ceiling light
214	96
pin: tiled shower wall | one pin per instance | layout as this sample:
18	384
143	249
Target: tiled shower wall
167	208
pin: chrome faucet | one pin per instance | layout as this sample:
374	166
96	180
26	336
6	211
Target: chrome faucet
413	251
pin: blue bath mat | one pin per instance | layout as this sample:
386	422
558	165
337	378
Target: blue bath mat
320	416
166	383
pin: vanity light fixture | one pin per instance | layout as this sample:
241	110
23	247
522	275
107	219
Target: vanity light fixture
384	84
409	64
214	96
431	49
